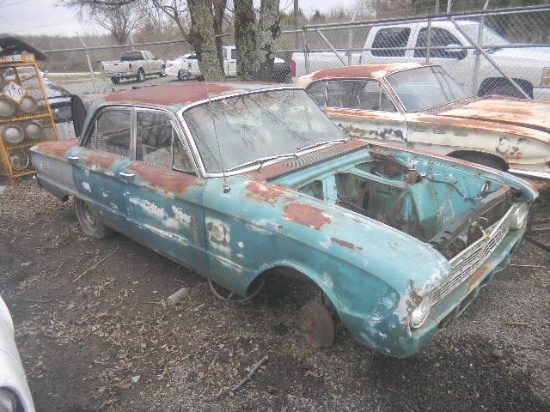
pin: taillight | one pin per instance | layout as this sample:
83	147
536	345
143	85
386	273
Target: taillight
293	68
130	66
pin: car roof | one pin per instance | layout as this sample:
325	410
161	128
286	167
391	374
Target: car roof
181	95
373	71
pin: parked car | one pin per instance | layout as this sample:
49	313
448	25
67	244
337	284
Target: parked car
420	106
449	44
133	64
15	394
239	182
186	67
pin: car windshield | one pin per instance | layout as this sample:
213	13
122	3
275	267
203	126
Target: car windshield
252	129
425	88
490	37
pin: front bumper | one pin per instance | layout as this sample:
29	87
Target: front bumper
392	335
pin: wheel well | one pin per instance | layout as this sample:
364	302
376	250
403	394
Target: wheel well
482	158
494	84
284	280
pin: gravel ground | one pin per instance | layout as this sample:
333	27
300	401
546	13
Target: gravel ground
95	332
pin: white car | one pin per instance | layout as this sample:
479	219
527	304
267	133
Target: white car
183	67
15	395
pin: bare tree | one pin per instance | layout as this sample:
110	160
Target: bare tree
119	17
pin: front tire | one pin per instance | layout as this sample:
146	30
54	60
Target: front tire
115	80
89	221
317	325
140	75
162	71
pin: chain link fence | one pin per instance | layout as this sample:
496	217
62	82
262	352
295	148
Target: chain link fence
503	51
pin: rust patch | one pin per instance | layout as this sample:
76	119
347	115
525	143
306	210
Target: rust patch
345	244
472	282
266	193
373	71
56	148
103	160
178	94
166	179
306	215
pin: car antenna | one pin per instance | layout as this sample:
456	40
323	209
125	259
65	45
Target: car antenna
226	187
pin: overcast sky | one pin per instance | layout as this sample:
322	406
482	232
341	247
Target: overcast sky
35	17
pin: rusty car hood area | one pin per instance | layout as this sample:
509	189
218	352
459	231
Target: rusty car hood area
500	110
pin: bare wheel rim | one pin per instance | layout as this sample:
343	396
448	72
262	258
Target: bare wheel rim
316	324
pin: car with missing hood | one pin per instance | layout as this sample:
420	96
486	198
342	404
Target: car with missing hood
242	182
15	395
420	106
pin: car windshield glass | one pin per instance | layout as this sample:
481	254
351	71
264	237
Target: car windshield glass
490	37
237	131
425	88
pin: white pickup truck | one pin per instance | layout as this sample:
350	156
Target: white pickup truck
134	64
450	47
186	67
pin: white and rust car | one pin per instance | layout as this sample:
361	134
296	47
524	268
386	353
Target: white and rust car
15	395
420	106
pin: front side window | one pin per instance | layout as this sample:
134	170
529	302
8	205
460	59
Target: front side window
112	132
438	39
154	134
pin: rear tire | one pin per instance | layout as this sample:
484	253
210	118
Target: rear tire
115	80
89	221
162	72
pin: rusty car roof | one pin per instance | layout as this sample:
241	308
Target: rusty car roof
181	95
373	71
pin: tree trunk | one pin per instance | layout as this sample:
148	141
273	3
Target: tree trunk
245	39
203	39
268	35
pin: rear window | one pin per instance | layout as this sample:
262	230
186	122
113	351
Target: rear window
131	56
391	42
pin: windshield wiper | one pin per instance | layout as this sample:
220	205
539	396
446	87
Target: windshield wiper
262	160
326	143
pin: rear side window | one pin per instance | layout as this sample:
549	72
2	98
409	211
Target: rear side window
112	132
391	42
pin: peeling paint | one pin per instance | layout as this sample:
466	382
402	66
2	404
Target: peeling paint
306	215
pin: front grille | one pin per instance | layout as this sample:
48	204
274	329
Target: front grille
466	263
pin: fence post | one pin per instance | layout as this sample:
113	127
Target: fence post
89	62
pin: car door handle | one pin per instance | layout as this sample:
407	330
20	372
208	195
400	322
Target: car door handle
73	158
125	174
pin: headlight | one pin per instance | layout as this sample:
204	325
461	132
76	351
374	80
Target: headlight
420	314
518	218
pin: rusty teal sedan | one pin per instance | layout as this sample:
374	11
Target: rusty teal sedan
240	182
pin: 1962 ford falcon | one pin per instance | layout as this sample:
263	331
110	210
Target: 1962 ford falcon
421	107
239	181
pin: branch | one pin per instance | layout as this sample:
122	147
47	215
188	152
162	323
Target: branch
96	265
231	391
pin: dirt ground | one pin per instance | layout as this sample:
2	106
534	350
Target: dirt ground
95	333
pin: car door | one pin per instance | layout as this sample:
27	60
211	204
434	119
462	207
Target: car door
362	107
230	61
104	150
163	192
